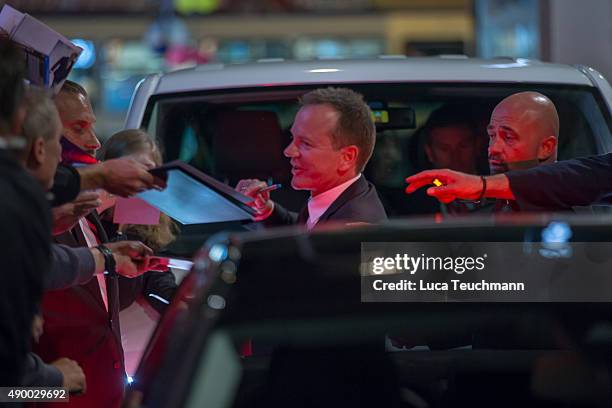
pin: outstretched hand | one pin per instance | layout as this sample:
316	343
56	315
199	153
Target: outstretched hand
131	257
454	185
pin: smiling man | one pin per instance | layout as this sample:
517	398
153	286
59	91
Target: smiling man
333	137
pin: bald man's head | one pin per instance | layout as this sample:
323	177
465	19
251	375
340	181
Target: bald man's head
523	132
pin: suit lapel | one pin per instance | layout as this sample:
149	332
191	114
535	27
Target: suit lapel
358	187
112	282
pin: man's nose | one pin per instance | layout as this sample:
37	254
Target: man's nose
495	145
93	140
291	150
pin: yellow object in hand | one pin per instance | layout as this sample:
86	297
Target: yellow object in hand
437	182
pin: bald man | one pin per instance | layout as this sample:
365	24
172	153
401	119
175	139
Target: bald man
523	132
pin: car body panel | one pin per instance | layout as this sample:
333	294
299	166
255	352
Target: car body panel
426	69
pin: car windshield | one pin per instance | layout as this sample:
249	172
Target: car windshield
241	133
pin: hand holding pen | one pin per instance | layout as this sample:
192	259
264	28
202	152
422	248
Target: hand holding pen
260	192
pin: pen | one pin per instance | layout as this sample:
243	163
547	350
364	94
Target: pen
270	188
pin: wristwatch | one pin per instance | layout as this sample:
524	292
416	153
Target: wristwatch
109	260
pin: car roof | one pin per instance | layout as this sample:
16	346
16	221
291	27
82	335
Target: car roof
397	69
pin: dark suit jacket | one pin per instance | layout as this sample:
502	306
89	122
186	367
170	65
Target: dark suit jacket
78	326
559	186
358	203
25	222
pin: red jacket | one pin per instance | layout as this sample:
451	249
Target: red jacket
78	326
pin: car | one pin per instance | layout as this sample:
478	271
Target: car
294	297
232	121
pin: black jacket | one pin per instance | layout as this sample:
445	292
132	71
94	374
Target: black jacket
358	203
25	221
562	185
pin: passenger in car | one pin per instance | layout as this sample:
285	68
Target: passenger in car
450	141
333	139
523	133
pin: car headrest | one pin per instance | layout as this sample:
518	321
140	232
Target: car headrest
249	144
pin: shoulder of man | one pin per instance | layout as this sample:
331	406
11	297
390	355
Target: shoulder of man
359	202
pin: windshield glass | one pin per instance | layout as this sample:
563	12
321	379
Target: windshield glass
241	133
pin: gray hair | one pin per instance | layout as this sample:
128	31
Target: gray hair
42	118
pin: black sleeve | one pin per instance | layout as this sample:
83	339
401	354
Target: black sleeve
66	185
280	216
129	289
162	285
562	185
39	374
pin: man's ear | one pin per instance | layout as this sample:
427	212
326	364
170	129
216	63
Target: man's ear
547	148
17	123
37	153
349	156
429	153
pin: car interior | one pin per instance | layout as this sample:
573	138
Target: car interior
236	134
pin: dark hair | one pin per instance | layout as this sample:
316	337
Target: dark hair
450	115
72	87
131	141
355	124
12	71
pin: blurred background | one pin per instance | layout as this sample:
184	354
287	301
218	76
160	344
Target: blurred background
124	40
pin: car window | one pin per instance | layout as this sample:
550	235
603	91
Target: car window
235	134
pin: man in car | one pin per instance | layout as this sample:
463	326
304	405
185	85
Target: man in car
449	142
523	133
450	139
333	139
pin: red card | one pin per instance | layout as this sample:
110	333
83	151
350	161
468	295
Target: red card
158	263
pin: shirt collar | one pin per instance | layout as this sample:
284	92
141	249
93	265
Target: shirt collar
319	204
